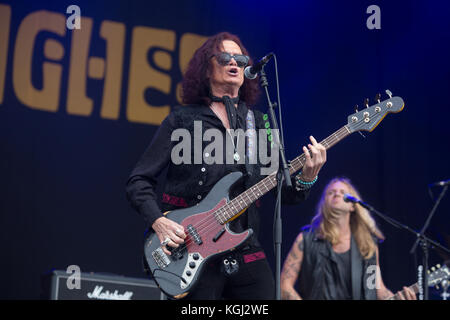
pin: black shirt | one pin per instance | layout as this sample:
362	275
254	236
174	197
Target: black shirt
344	282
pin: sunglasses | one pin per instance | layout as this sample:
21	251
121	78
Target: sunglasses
224	59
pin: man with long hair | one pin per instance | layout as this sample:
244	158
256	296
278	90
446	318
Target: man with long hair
217	96
336	257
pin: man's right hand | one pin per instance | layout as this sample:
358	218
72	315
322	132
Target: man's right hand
167	229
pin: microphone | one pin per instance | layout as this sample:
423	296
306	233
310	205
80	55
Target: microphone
440	183
349	198
251	72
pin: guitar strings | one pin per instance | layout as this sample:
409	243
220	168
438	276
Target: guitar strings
210	223
299	161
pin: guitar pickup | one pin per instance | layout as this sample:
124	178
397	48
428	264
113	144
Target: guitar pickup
218	235
194	234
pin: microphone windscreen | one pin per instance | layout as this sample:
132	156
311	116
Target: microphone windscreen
249	74
349	198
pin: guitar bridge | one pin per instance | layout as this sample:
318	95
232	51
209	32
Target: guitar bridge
161	259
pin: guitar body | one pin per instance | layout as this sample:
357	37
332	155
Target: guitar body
206	240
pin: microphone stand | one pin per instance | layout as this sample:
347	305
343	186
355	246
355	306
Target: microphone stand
424	243
425	240
283	174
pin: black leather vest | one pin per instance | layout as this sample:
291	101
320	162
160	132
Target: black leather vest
319	265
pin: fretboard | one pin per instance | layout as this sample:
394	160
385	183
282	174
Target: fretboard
245	199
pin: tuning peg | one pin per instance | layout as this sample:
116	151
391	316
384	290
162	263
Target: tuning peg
356	108
389	94
366	102
378	97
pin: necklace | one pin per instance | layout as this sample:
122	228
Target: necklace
236	155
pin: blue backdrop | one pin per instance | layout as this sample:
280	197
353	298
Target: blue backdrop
74	123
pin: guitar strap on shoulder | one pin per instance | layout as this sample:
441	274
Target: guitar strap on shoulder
252	167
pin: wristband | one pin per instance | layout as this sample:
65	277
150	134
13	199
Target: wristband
303	185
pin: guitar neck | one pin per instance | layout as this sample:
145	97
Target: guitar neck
330	141
414	287
245	199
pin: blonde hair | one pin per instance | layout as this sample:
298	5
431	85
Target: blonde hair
362	225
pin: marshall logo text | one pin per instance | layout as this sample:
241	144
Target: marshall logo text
98	293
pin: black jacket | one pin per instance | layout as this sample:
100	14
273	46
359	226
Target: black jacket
187	184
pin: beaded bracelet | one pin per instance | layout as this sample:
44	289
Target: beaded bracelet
307	183
303	185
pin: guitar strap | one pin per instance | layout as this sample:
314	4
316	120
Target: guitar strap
230	264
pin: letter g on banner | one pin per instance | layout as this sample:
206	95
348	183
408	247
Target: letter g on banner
74	280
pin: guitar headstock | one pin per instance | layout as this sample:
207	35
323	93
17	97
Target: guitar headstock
437	275
371	116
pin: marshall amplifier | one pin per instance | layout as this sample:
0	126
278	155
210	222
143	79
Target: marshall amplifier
91	286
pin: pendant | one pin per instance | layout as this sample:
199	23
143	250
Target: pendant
236	157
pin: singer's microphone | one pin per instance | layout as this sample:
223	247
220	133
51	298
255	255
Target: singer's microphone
440	183
252	71
349	198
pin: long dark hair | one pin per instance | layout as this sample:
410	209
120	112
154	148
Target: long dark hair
196	88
